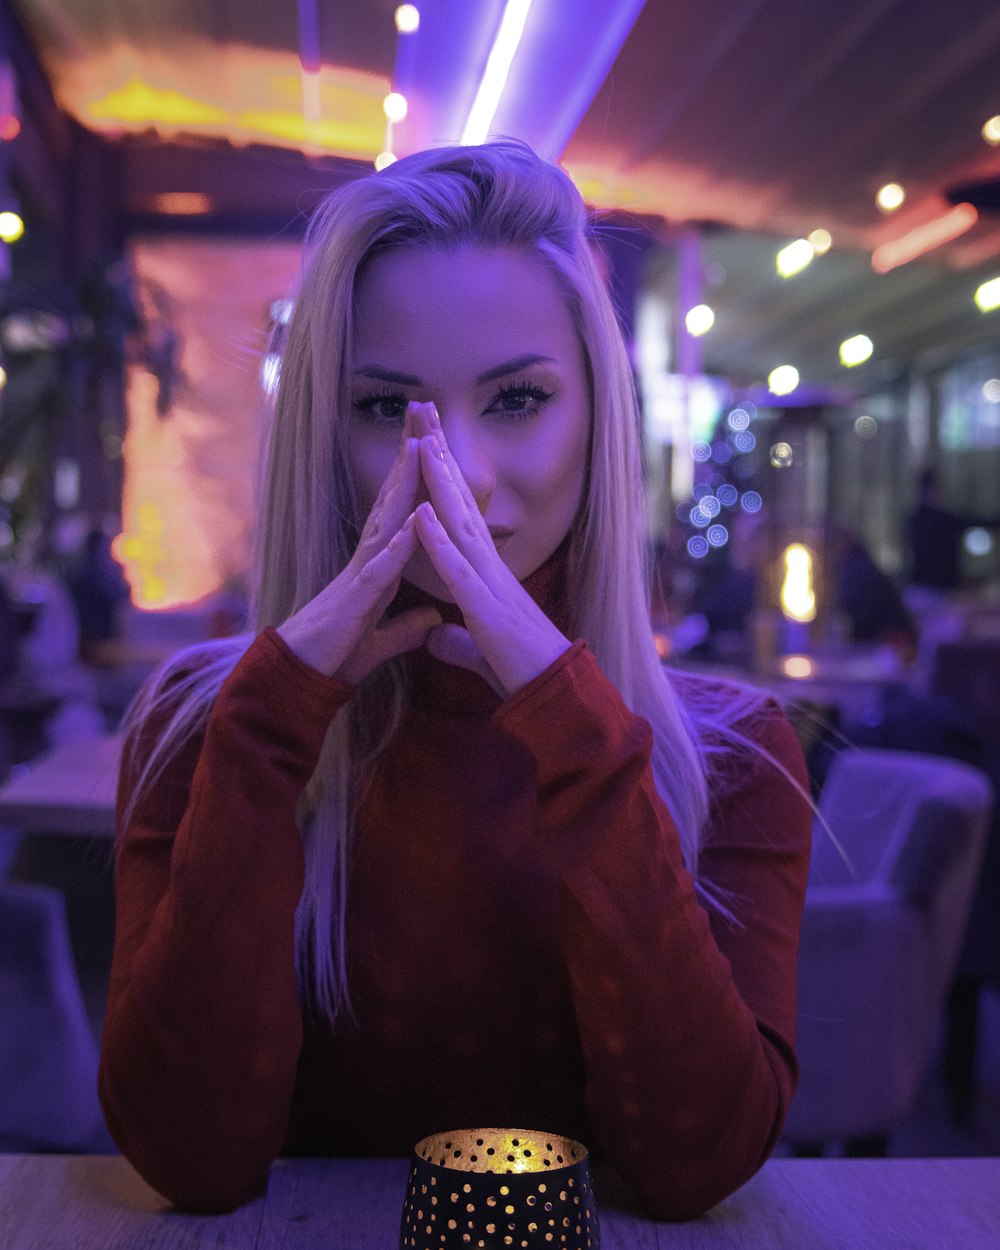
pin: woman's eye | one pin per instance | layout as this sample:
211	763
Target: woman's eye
384	408
519	401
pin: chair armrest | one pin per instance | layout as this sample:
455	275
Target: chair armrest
864	1029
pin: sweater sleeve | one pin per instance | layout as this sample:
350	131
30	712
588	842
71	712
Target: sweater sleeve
686	1015
203	1026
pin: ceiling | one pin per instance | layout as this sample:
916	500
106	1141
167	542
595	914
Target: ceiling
762	119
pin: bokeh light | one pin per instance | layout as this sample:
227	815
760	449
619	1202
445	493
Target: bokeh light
710	505
717	536
745	441
794	258
781	455
407	19
11	227
783	380
866	427
699	320
976	541
856	350
722	453
890	197
987	296
394	106
727	494
738	419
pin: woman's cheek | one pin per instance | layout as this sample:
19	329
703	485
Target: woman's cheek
371	461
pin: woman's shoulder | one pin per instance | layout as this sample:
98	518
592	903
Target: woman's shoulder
177	695
710	700
743	730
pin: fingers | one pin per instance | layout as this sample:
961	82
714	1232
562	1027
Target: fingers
423	419
403	633
376	580
403	487
394	502
449	462
455	507
331	631
455	645
469	590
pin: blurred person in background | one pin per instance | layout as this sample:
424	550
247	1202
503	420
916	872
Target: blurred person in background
935	535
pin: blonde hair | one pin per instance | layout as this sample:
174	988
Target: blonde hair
308	518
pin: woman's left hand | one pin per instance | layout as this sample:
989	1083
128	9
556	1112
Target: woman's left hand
507	638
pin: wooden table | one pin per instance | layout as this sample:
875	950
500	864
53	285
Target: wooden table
69	790
48	1202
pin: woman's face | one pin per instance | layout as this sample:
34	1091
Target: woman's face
483	333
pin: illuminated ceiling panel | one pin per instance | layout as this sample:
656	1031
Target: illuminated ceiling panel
118	92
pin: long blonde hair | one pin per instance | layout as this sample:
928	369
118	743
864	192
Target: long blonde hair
308	518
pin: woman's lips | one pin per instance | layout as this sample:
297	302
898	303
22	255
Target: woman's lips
499	534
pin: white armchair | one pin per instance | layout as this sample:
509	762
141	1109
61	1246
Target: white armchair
897	848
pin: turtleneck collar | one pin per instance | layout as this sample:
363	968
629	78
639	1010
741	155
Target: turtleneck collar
446	687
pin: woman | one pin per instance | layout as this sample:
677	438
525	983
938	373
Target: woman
413	857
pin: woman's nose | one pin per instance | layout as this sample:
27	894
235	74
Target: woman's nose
472	455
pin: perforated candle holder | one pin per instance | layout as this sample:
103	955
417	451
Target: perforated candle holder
493	1188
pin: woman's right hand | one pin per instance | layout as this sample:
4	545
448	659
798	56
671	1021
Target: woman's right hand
340	632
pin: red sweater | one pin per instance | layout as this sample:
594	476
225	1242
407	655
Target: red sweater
526	947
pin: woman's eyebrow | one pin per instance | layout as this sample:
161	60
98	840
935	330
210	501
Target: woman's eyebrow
387	375
512	366
491	375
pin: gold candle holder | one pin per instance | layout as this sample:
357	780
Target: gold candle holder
494	1188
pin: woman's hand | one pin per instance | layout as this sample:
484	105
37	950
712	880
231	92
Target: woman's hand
508	639
339	631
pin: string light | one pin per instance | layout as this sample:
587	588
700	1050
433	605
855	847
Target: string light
794	258
783	380
991	130
856	350
11	227
890	197
407	19
394	106
987	296
699	320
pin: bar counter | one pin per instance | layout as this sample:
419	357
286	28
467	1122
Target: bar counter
90	1202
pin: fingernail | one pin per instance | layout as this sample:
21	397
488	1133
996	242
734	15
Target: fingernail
435	419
